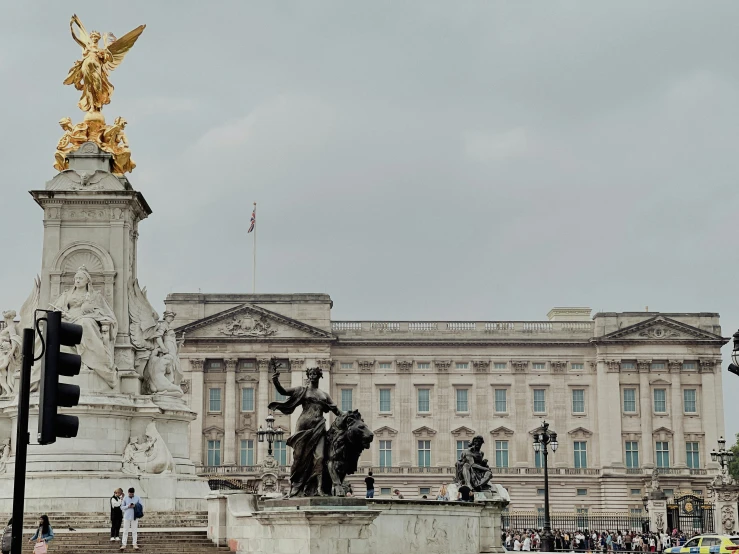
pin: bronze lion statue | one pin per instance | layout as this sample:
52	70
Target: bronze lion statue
347	437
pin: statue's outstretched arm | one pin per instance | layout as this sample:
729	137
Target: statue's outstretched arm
279	387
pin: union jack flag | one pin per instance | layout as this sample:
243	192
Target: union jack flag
253	219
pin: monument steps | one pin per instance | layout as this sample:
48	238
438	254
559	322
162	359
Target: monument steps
159	542
87	520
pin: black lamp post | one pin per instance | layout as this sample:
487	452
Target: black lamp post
270	433
734	366
542	440
723	456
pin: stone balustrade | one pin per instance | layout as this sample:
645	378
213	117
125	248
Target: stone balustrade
570	329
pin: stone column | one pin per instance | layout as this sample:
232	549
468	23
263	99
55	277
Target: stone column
645	414
403	409
364	404
229	415
725	493
262	410
610	443
657	508
444	443
678	427
197	405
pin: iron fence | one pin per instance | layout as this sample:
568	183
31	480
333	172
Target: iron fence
571	521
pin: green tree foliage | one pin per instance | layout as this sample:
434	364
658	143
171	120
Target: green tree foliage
734	465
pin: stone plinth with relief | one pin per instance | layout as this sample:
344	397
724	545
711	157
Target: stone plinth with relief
134	425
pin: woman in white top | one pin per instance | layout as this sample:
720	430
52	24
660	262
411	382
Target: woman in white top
516	545
116	515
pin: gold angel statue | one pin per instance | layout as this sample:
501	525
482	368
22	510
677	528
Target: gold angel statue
90	74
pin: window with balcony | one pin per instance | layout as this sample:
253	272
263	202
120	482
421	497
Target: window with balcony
280	450
385	401
214	453
693	458
663	454
346	400
247	399
540	404
424	453
214	400
581	454
632	454
462	404
386	453
424	400
660	403
246	453
578	401
501	453
461	446
630	401
689	401
501	402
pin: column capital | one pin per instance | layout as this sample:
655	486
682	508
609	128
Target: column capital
196	364
263	364
675	366
325	364
296	364
708	365
231	364
643	365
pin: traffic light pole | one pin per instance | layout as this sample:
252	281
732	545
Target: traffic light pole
21	440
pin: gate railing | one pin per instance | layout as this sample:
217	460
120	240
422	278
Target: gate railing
571	521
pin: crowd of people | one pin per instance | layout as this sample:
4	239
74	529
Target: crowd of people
593	541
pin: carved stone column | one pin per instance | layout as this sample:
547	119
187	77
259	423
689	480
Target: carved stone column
229	415
725	493
197	405
645	414
264	386
657	509
678	428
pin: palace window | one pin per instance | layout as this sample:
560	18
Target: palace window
660	405
628	365
630	401
346	400
462	404
690	365
214	453
540	492
281	452
538	461
386	453
461	446
501	453
689	401
385	491
247	364
582	518
501	405
424	403
663	454
247	400
247	452
214	400
424	453
538	365
500	365
423	365
385	401
347	365
632	454
213	365
636	492
540	404
581	454
578	401
658	365
578	366
693	458
461	365
424	491
386	365
582	492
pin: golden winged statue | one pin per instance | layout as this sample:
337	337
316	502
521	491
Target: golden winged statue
90	74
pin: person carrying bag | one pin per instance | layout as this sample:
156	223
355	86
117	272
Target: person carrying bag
116	515
7	543
43	535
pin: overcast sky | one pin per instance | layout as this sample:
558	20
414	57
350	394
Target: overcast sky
415	160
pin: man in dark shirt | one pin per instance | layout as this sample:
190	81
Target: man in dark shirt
370	482
464	493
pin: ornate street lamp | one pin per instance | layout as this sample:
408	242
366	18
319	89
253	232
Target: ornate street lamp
734	367
723	456
542	440
270	433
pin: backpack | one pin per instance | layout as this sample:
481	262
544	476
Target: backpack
138	511
7	543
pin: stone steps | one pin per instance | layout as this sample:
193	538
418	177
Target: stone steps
86	520
167	542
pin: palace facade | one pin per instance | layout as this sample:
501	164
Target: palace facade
626	393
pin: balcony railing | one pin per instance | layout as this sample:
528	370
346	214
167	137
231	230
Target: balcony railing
565	329
236	470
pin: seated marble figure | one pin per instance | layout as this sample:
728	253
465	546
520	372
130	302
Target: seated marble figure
472	468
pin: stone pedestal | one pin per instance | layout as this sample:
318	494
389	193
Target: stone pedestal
657	508
490	518
725	496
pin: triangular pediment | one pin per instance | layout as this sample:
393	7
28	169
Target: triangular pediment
662	431
249	322
580	432
660	329
502	431
463	432
424	432
385	431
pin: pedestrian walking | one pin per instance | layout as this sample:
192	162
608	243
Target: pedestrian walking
7	542
369	481
116	515
43	535
130	506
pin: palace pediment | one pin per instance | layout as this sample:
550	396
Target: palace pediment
385	432
250	322
502	432
660	329
463	432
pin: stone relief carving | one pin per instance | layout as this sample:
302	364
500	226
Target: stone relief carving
366	365
613	366
519	365
481	366
156	346
675	366
727	518
247	326
404	365
84	180
653	485
707	366
443	365
185	386
196	364
659	521
659	333
643	365
148	454
557	366
325	364
11	343
4	455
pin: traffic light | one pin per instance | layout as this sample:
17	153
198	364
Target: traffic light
53	393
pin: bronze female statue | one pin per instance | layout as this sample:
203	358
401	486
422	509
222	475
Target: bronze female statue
309	439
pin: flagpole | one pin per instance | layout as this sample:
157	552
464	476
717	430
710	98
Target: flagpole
254	252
